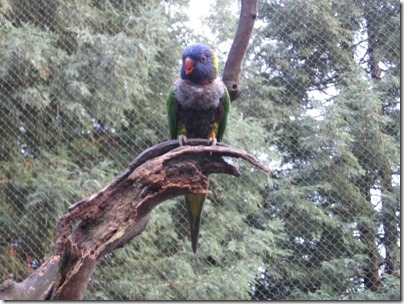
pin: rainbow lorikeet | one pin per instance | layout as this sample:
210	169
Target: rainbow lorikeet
197	106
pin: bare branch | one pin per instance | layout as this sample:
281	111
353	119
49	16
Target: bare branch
232	68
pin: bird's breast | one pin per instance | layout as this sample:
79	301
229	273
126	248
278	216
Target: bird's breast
199	96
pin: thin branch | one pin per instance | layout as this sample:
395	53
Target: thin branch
232	68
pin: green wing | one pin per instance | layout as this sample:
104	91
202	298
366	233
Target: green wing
172	114
225	101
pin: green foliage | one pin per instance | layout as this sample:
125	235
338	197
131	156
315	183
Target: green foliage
221	20
73	105
331	160
390	291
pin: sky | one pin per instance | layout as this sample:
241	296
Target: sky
196	11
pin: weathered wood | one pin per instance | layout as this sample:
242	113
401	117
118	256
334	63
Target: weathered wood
120	211
36	286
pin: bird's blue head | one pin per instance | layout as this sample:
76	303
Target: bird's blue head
199	64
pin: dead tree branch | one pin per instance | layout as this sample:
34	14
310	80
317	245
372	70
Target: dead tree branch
119	212
232	68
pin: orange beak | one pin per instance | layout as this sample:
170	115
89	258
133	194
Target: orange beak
188	65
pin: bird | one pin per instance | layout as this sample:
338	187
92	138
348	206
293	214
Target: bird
198	105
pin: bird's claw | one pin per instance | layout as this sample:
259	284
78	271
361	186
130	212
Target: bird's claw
212	141
182	140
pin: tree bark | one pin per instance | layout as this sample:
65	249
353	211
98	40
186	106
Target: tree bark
232	68
105	221
371	268
36	286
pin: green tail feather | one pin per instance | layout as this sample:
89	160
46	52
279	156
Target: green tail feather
194	204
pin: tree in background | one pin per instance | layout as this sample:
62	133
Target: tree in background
334	125
78	96
83	85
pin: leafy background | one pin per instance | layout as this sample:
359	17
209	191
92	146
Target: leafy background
82	92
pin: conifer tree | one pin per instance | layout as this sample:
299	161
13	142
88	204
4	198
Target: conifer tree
326	112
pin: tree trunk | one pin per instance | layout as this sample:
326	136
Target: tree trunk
390	229
391	234
371	275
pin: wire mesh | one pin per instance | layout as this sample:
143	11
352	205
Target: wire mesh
82	89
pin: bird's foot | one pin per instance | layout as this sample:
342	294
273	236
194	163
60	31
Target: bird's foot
182	140
212	141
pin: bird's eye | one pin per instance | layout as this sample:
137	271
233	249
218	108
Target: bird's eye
203	58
